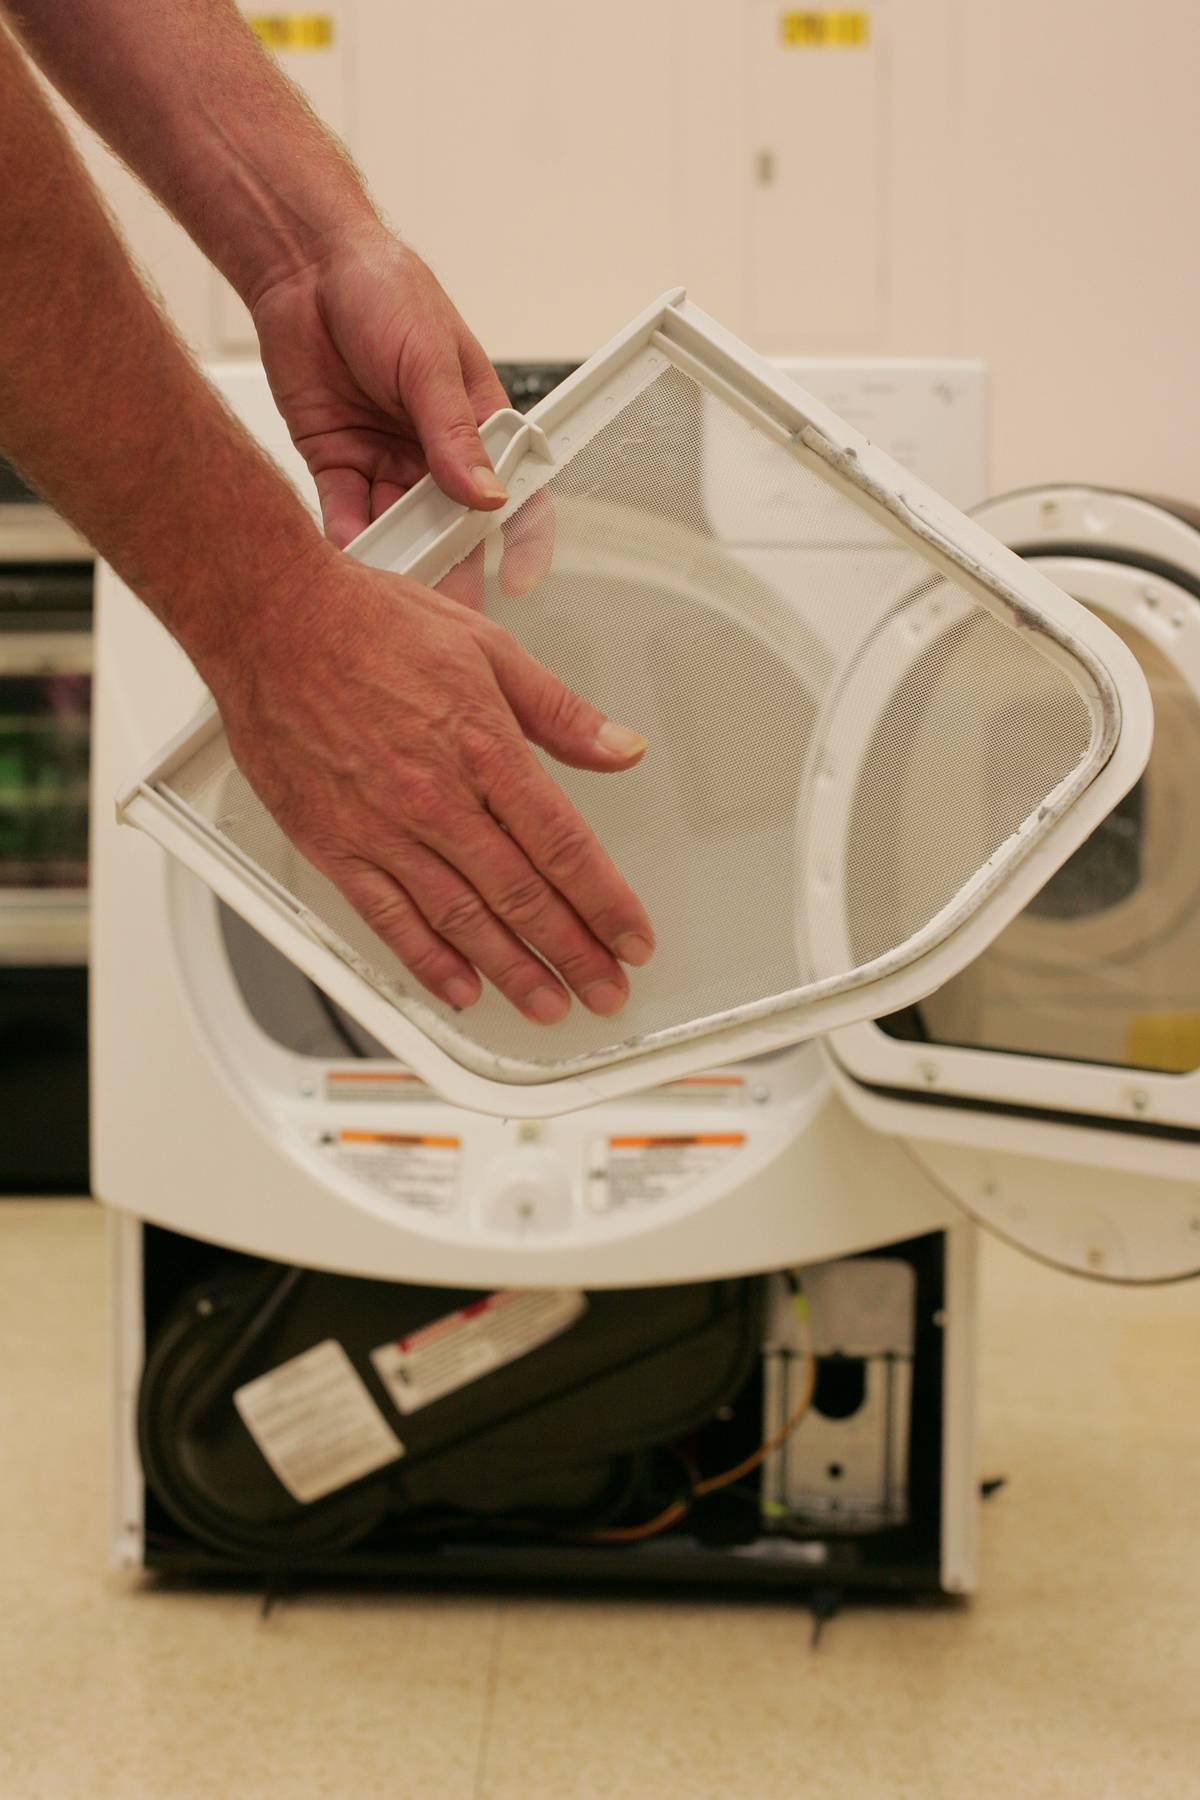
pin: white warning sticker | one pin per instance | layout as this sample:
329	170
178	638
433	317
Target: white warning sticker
416	1170
637	1171
316	1423
459	1349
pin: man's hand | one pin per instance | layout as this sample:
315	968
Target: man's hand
378	378
385	727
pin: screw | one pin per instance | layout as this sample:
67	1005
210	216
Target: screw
760	1095
928	1072
1139	1100
529	1133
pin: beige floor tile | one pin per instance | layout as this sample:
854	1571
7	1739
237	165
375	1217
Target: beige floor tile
115	1689
1075	1673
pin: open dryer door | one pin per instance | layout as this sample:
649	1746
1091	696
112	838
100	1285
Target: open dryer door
916	669
1053	1086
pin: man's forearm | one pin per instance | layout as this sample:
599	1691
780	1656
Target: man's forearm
185	95
106	415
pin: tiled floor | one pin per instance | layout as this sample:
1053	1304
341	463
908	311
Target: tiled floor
1075	1672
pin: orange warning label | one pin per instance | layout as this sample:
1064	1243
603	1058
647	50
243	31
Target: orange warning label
724	1090
398	1137
673	1141
420	1170
375	1084
639	1170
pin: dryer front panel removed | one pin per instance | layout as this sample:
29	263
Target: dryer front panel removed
912	657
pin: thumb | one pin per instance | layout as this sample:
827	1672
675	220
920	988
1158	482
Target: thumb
435	399
558	719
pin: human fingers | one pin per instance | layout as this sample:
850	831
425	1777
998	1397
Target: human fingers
520	794
555	717
434	394
390	912
479	892
345	498
562	847
465	582
485	390
528	546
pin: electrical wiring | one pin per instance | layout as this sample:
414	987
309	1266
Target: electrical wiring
710	1484
633	1534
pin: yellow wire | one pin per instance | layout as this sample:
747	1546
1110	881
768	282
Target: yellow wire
670	1515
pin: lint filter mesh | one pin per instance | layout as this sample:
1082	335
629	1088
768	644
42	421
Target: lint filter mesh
841	736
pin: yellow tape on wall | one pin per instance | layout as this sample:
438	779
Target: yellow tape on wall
823	30
292	31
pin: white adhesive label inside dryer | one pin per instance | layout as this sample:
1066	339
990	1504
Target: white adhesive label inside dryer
315	1422
468	1344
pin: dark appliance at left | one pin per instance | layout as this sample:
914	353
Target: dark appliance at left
46	584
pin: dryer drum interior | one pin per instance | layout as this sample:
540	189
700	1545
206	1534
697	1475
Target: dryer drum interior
1103	966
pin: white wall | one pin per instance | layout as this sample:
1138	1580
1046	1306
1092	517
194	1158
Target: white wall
1016	181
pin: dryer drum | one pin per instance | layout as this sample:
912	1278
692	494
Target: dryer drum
1103	965
564	1437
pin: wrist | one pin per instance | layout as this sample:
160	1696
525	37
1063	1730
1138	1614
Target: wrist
270	621
286	241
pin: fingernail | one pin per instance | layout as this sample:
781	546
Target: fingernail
547	1005
460	993
489	483
634	949
604	997
618	740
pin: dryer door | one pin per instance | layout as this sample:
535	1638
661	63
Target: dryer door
1054	1084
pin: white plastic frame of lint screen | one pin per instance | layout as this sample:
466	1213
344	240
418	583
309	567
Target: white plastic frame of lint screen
797	708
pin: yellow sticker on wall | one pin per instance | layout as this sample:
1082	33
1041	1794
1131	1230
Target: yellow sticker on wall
292	31
824	30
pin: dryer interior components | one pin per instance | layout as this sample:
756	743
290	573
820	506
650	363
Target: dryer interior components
295	1420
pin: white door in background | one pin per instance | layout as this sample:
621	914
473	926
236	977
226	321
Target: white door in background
815	132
